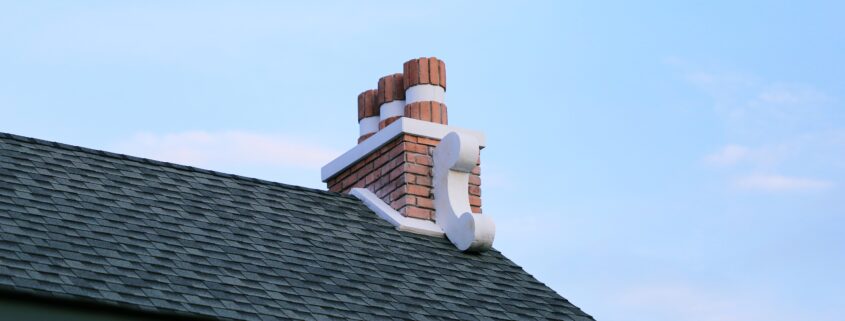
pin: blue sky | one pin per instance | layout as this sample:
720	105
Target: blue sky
649	161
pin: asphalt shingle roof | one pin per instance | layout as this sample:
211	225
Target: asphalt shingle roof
154	236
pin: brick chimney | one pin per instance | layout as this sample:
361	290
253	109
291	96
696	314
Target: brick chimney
401	124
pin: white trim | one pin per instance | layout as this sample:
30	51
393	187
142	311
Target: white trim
425	93
402	125
454	159
391	109
402	223
368	125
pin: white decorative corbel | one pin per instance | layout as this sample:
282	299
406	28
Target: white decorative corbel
454	159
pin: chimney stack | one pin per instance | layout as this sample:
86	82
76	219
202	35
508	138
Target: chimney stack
391	99
425	89
393	166
368	115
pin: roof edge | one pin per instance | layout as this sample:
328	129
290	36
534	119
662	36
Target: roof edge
139	159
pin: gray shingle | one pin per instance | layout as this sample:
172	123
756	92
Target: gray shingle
87	224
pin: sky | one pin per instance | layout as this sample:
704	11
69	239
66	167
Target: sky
648	161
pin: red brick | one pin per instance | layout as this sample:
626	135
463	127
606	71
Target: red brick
441	108
423	160
474	190
416	212
398	87
425	111
406	75
396	172
414	76
367	104
442	74
395	152
423	180
419	190
382	90
342	175
348	181
416	148
476	209
382	181
424	75
395	163
428	141
475	201
372	156
380	161
409	138
425	202
364	168
434	71
403	201
383	192
361	105
475	180
417	169
390	144
398	192
369	179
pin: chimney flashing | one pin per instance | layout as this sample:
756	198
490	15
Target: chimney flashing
387	213
404	125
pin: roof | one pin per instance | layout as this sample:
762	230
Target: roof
147	235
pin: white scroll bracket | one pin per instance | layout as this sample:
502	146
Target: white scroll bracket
454	159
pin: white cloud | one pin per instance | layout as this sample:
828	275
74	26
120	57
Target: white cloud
791	95
763	156
729	155
780	183
227	148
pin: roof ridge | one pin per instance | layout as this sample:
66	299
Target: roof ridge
159	163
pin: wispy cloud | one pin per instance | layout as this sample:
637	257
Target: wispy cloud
227	148
780	183
735	154
729	155
791	95
775	127
751	103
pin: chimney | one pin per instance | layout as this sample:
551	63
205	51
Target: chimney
409	166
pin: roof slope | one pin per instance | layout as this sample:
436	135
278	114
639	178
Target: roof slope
149	235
